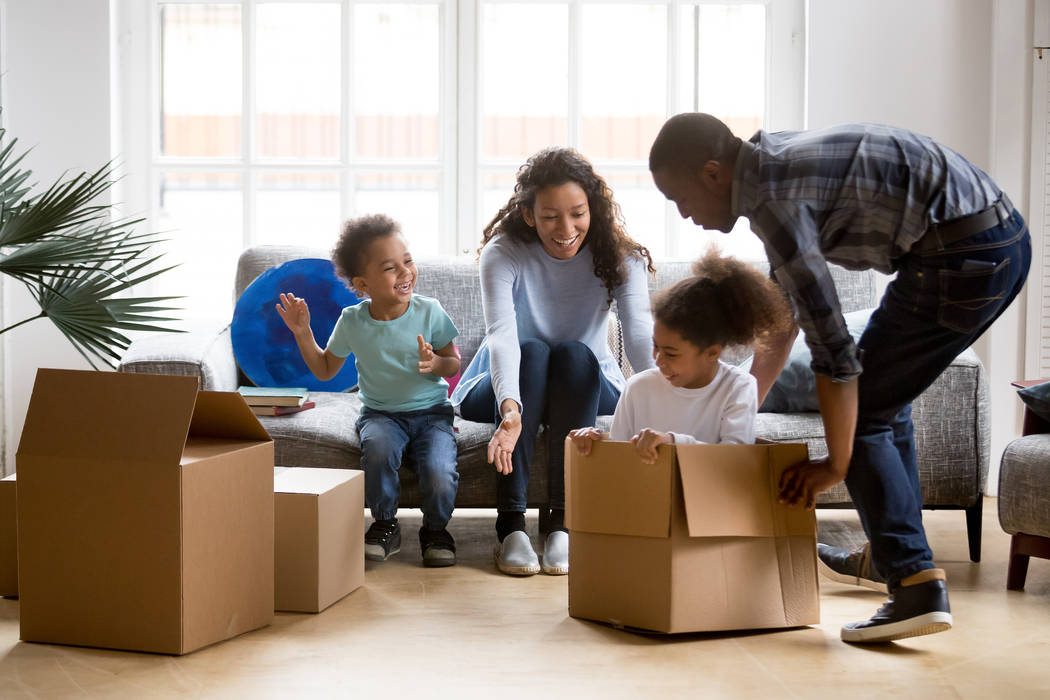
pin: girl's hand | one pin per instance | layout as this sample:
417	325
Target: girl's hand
582	438
426	356
294	312
647	441
501	446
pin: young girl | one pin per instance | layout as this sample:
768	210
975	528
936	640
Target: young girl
692	396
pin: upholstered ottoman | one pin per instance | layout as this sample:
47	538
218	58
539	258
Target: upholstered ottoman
1024	503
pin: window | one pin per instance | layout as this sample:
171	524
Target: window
265	121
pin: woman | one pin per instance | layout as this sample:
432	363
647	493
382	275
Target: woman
552	261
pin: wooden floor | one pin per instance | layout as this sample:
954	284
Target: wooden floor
468	631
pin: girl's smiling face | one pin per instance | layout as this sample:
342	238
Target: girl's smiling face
561	217
681	362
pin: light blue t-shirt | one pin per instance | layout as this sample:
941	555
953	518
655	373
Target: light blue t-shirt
387	354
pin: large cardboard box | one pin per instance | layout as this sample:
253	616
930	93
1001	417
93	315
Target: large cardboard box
145	513
319	539
8	544
695	542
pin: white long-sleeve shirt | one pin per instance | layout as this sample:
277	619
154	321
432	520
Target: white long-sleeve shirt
721	412
526	293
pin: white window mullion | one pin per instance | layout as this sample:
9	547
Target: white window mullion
673	77
248	183
346	130
447	111
467	139
575	119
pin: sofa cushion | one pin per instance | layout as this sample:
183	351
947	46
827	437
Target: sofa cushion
1024	486
796	388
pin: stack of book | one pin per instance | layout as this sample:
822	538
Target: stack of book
275	401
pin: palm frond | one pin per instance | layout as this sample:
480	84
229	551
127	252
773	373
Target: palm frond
76	261
81	304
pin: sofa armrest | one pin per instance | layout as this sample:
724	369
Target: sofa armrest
204	354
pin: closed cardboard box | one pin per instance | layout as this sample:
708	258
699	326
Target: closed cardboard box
8	544
319	538
695	542
145	513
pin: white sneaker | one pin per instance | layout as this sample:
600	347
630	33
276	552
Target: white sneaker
515	555
556	553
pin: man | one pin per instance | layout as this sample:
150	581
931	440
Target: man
862	196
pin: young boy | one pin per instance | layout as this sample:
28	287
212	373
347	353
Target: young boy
404	396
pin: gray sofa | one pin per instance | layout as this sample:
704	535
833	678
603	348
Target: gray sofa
951	422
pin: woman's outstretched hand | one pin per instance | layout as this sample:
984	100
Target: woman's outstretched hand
501	446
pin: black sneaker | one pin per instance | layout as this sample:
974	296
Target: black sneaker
849	566
437	546
382	540
912	611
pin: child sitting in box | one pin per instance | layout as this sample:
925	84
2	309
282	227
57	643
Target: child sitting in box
692	396
393	334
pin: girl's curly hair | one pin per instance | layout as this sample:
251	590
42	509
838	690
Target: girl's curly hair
726	302
610	245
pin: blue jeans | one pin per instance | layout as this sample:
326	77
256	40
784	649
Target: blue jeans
427	439
561	385
937	306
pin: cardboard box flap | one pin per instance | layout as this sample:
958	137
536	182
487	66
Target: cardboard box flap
731	490
225	414
76	414
611	491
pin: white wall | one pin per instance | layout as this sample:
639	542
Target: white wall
57	88
956	70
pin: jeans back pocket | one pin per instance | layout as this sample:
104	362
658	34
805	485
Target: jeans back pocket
971	298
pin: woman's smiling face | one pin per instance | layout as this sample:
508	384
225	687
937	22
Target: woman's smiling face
561	217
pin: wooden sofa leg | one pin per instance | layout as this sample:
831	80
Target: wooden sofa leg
1023	546
1018	566
974	520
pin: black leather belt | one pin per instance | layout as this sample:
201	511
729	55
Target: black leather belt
939	237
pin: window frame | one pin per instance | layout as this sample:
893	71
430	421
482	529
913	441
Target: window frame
461	171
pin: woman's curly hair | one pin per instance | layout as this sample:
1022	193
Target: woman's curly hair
726	302
609	243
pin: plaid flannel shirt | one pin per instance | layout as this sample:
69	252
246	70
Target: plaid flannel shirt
860	196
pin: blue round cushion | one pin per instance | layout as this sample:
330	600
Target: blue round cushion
264	347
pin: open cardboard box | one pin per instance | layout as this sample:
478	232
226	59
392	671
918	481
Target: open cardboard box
695	542
145	513
319	518
8	545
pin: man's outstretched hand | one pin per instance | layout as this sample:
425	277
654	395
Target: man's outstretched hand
801	483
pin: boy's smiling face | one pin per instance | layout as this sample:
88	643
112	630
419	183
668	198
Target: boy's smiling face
388	275
681	362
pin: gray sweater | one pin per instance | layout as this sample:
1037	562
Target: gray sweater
528	294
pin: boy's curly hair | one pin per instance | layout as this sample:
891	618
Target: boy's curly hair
348	255
609	243
726	302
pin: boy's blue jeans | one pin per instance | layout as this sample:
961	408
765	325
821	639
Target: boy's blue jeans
427	439
561	385
940	302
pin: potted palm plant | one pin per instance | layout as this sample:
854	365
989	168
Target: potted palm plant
77	261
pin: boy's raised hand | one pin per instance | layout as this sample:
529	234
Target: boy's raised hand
646	442
426	356
294	312
582	438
